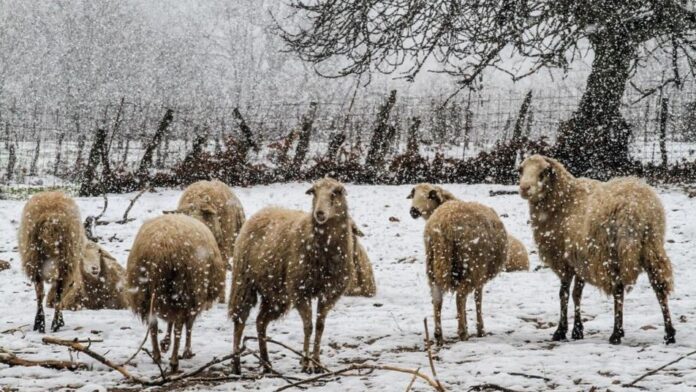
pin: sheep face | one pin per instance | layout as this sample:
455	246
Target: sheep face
91	260
425	198
329	200
536	178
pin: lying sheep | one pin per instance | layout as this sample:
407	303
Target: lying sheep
100	283
604	233
362	281
51	239
465	246
287	258
517	258
174	271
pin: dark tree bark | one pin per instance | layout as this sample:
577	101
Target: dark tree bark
88	186
664	116
11	161
146	162
595	140
248	142
59	149
380	137
305	135
335	143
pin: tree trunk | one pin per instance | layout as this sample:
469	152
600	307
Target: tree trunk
594	141
146	161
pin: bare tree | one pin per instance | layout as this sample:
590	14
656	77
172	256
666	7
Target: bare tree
466	37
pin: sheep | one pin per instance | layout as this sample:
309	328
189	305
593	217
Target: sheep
465	245
174	271
289	257
100	283
517	258
51	238
362	281
603	233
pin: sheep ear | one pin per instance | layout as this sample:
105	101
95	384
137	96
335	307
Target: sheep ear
434	195
413	193
354	228
310	191
171	212
208	210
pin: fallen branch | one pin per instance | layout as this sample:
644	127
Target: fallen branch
530	376
502	192
430	355
371	368
11	360
132	202
285	346
650	373
413	379
490	387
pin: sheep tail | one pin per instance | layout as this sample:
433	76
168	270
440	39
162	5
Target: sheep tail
658	266
242	293
56	237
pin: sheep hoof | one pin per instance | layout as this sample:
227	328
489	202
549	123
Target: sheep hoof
174	367
188	354
480	333
559	335
669	338
164	345
462	336
40	323
438	338
577	333
616	337
236	366
57	323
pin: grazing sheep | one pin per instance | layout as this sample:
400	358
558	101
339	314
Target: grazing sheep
174	271
362	281
289	257
517	258
465	245
603	233
51	239
100	283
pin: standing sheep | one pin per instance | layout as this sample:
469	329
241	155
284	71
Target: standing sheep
288	258
604	233
517	258
51	239
174	271
214	203
100	283
465	246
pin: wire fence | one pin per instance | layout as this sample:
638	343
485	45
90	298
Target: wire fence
49	140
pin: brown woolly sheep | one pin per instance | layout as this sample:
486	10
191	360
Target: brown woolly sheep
174	271
288	258
214	203
51	239
465	246
604	233
517	258
100	283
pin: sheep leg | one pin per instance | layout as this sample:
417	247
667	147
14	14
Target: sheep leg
663	300
577	297
564	293
166	341
58	315
436	293
174	360
304	307
238	332
461	316
267	313
618	314
40	319
187	348
323	308
156	355
478	297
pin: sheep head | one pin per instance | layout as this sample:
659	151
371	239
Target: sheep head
91	260
425	198
329	200
206	213
537	177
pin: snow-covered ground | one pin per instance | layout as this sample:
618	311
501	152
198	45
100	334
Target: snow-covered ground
520	310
